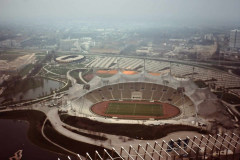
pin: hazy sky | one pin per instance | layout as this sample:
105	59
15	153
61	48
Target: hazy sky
170	11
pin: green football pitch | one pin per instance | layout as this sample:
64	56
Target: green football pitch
135	109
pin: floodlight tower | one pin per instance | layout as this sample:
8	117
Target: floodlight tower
144	70
170	68
85	88
192	72
81	108
71	106
144	67
183	100
182	89
118	69
61	101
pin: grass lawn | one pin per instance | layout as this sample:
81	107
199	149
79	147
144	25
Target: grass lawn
105	75
62	70
75	75
135	109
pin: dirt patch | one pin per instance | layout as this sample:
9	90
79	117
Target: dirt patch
88	77
168	110
107	72
129	72
155	74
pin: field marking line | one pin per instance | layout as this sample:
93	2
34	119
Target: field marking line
152	109
117	108
121	94
134	109
160	110
152	95
107	108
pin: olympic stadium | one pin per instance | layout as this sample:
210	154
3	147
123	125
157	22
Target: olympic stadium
151	100
178	93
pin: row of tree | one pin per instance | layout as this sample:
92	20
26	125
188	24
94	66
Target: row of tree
38	66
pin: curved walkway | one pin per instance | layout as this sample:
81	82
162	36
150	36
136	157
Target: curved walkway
50	71
113	140
42	131
73	80
69	77
81	78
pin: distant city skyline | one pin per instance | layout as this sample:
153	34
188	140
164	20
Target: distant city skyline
189	12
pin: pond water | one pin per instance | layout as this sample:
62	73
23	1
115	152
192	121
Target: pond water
45	89
13	137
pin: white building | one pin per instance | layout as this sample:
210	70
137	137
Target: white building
10	43
208	36
69	44
235	39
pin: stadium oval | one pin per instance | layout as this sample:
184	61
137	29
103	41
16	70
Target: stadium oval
193	103
152	95
136	100
69	58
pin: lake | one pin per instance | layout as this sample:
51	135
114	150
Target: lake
13	137
45	89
